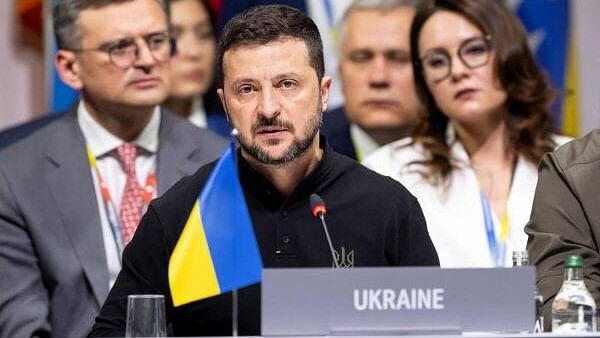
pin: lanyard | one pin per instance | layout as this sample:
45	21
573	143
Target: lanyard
497	246
109	206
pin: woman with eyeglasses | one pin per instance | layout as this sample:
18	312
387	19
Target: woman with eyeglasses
472	160
192	95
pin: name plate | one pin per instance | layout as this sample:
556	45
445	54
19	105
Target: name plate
398	300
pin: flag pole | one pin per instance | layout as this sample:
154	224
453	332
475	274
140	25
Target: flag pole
234	292
234	313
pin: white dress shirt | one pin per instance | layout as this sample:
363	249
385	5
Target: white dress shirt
363	143
198	115
103	145
453	212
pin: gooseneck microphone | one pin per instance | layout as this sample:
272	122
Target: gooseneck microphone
318	209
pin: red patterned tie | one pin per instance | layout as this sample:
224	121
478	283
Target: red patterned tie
132	201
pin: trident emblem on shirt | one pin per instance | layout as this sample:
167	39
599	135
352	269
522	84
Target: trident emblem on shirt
345	259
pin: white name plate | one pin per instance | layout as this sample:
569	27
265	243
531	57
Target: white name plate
399	300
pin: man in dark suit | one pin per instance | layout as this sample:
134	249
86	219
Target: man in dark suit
375	70
71	193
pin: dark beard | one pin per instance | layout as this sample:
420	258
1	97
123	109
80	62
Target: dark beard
295	150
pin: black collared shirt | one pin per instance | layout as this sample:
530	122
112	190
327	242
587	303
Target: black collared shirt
373	221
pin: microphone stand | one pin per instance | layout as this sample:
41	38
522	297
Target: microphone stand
322	218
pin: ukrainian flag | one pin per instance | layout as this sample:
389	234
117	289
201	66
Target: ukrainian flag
217	250
552	38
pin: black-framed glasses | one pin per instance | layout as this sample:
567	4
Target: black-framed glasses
123	52
473	53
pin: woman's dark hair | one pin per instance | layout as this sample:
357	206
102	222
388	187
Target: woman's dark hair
212	103
529	93
207	7
211	100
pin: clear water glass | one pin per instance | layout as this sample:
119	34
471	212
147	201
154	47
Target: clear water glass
146	316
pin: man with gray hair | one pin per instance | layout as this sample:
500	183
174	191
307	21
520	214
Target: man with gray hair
375	69
72	192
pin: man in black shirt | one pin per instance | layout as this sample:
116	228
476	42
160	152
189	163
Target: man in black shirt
273	89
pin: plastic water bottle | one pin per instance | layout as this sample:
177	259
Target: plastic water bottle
573	309
521	258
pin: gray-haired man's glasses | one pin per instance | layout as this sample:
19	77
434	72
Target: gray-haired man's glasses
124	52
473	53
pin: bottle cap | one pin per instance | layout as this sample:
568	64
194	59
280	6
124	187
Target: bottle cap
573	261
520	254
520	258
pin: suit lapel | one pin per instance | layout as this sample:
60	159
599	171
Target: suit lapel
175	158
70	181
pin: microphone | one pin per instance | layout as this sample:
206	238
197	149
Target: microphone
318	209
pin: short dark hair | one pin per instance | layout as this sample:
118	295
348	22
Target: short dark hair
529	93
65	15
263	24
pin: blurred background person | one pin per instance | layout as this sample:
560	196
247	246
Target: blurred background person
472	161
193	95
376	74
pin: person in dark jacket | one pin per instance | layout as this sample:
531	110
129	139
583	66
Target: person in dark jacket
273	87
380	102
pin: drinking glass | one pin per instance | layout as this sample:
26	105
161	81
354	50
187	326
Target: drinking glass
146	316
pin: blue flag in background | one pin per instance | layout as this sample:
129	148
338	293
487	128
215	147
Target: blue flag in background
62	97
550	36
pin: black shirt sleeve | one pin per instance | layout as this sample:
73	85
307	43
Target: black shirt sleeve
145	261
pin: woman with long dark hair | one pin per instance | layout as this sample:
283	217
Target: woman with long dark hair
193	94
472	160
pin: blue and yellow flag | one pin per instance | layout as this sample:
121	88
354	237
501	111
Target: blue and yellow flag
217	250
551	37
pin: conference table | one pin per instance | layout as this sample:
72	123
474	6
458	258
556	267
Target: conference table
465	335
